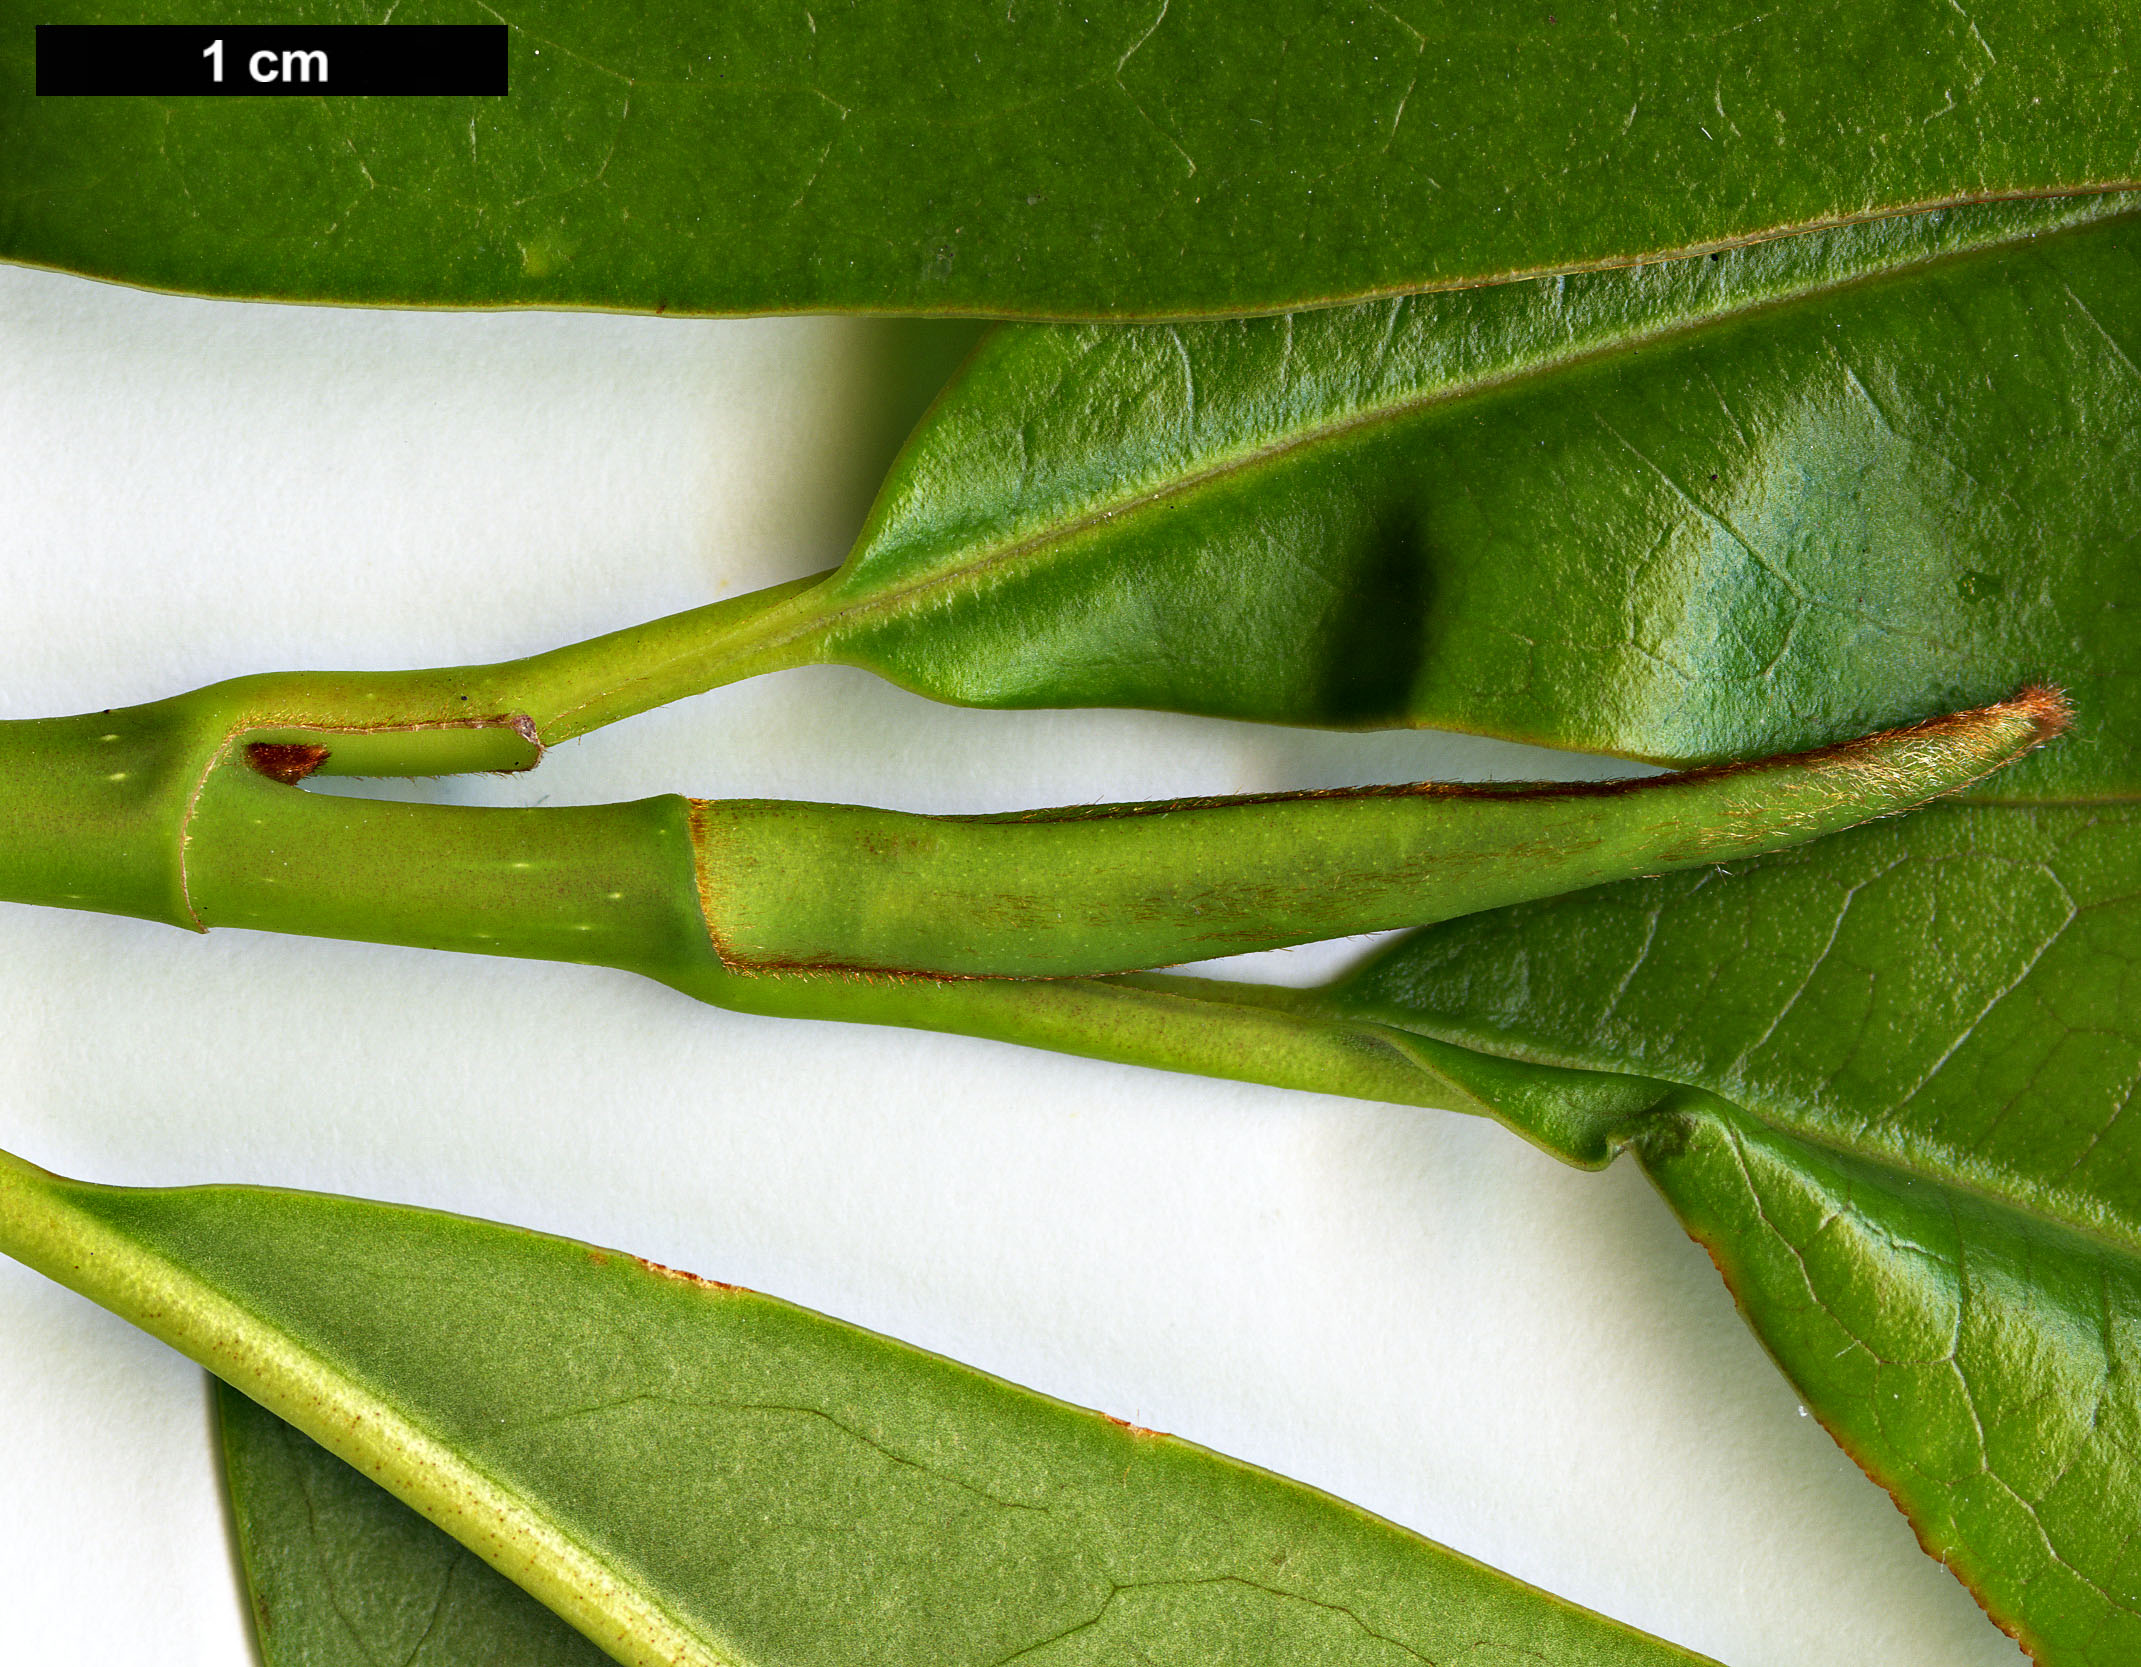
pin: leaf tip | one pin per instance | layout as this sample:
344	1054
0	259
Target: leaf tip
2045	706
2007	729
1945	754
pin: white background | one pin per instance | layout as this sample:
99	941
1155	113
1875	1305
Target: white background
1409	1308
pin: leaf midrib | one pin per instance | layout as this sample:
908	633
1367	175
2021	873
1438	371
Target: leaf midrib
270	1364
2100	1229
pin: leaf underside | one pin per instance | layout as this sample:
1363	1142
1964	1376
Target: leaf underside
338	1570
696	1473
1706	510
1132	156
1979	1363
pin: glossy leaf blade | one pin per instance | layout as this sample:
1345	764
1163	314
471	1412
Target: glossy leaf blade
1983	1365
1716	509
1953	992
696	1473
1486	511
1123	158
1908	1056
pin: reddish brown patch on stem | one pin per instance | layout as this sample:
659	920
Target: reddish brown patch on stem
288	762
683	1278
1135	1429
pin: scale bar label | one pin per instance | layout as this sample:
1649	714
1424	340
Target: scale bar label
339	60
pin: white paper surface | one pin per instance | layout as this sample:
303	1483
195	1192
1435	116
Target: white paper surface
1411	1309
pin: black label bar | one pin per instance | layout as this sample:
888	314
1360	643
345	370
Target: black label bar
187	60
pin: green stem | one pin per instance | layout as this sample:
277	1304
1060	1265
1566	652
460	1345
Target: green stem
654	887
1213	1028
615	885
671	887
604	885
187	811
570	691
99	809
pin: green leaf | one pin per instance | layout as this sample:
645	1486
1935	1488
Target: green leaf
1978	1361
1953	992
693	1473
1906	1059
1716	509
1712	509
1133	156
339	1570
